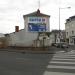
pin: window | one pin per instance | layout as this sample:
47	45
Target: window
66	33
72	32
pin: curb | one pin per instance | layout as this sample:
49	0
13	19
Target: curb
28	52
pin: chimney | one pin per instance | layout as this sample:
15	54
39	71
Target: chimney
38	11
16	28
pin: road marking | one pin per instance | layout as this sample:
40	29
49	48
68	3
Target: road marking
60	51
57	73
67	61
62	59
61	67
62	62
64	56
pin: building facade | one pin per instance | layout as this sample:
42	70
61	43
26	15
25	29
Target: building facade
55	34
70	30
34	23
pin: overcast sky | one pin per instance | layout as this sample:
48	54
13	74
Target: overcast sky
12	11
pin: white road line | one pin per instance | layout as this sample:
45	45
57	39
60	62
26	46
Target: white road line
60	51
61	56
62	59
66	54
57	73
62	62
63	52
61	67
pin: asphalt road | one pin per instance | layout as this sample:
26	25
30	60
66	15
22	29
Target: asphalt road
12	63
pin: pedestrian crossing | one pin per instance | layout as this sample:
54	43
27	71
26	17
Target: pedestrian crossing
63	63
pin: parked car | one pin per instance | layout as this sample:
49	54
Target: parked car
62	45
53	44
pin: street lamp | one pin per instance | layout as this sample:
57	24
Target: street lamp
59	21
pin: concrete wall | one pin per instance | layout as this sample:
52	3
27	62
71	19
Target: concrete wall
27	39
3	42
22	38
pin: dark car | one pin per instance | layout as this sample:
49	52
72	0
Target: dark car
53	44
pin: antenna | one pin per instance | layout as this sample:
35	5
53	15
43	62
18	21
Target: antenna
38	4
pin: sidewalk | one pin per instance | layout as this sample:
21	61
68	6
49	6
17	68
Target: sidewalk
50	50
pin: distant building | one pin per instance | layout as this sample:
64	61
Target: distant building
36	24
55	34
2	41
70	30
2	35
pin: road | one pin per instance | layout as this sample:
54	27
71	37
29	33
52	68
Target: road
61	63
12	63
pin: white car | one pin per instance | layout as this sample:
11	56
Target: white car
62	45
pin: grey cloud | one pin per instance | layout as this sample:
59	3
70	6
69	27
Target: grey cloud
7	19
12	5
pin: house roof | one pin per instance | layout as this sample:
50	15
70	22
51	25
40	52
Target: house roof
36	13
70	18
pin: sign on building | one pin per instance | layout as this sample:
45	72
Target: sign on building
36	24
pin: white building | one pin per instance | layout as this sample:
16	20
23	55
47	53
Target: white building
55	34
34	23
70	30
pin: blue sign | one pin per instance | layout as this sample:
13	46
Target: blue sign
36	27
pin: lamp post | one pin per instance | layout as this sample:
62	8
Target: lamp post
59	21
